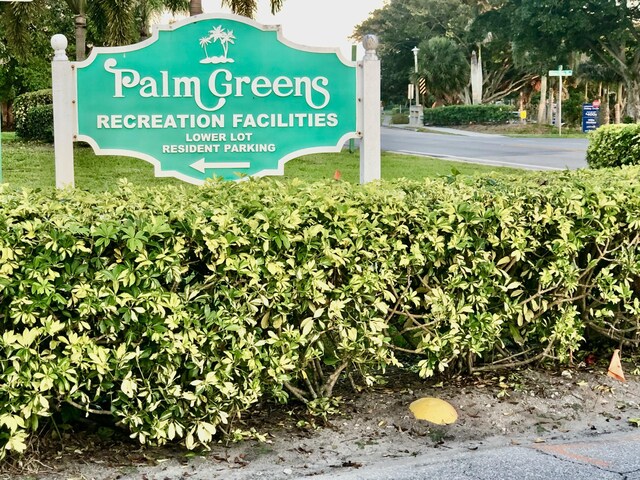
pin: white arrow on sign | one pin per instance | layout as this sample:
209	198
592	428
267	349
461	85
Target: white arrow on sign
201	165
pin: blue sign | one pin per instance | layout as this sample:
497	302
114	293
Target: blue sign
590	117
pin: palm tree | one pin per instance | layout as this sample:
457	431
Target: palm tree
226	39
146	9
445	68
195	7
114	22
216	33
16	22
79	9
241	7
204	41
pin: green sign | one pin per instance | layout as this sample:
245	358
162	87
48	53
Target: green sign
560	73
216	96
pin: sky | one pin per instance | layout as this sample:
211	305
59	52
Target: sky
316	23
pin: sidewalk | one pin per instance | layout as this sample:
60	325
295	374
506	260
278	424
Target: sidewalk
455	131
386	118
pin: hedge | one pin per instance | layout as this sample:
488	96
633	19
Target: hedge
613	146
467	114
33	113
38	124
400	119
175	311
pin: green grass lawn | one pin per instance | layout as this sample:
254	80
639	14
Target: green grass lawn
323	166
527	130
31	164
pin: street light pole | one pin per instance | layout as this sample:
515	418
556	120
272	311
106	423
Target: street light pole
415	51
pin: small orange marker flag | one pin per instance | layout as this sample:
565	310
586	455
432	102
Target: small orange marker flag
337	175
615	367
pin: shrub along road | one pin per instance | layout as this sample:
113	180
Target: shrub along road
487	149
178	312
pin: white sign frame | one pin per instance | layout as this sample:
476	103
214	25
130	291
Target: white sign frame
65	107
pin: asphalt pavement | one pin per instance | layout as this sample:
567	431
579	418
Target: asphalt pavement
536	153
602	457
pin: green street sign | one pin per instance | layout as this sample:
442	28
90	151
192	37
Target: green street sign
558	73
216	95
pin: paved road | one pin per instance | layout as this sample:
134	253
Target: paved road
499	150
612	456
615	457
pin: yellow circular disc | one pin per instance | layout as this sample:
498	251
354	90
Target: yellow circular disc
434	410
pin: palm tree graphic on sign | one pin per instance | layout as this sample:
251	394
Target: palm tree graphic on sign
225	37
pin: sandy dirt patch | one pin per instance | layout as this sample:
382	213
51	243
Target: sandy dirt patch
521	407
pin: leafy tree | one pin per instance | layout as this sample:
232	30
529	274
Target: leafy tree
20	77
26	29
25	66
106	22
403	24
606	30
22	22
607	82
397	37
103	22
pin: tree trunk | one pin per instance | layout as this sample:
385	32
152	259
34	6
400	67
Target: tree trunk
81	36
618	119
550	111
521	106
476	78
632	87
195	7
5	113
606	107
143	26
586	91
465	96
542	107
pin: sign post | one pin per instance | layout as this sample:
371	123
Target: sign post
217	95
560	73
370	145
63	112
354	57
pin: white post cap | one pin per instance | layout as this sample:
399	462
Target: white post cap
370	44
59	44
